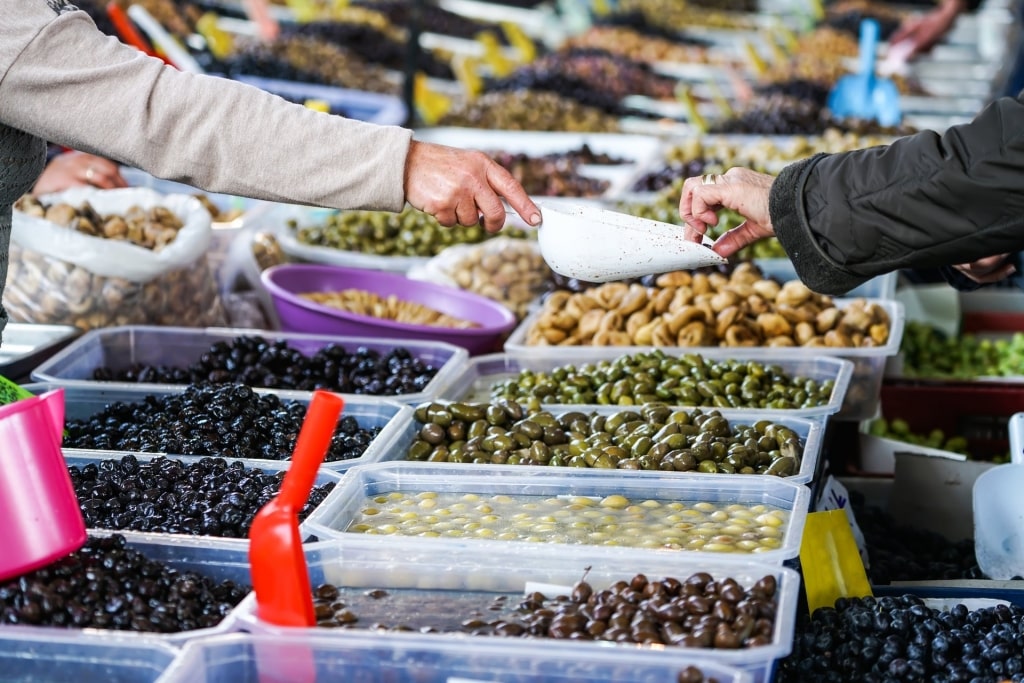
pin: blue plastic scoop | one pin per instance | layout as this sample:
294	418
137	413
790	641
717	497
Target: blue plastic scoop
864	95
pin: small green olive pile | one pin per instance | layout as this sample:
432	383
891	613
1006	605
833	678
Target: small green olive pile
927	352
654	437
689	380
614	520
899	430
409	233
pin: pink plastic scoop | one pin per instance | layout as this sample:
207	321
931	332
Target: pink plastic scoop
42	521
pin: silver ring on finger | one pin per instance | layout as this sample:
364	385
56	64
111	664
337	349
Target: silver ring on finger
89	173
708	179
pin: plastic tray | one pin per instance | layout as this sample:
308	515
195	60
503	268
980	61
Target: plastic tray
783	270
473	383
81	402
275	221
79	458
214	559
120	347
354	565
860	402
60	657
386	110
286	656
344	502
26	345
810	429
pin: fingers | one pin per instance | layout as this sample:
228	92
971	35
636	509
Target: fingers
744	234
508	187
467	214
697	224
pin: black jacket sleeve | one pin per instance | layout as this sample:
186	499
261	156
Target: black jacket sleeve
924	201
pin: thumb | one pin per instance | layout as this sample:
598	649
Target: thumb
743	235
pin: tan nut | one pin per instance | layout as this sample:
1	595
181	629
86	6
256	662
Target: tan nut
701	284
590	323
684	316
564	321
826	319
663	299
678	278
660	336
793	293
780	341
803	333
645	335
836	338
723	299
879	333
740	335
756	305
637	320
634	300
774	325
695	333
726	319
795	314
767	289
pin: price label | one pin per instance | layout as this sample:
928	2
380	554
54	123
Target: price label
520	41
467	71
786	38
317	105
755	60
500	65
305	11
830	561
695	118
430	105
219	41
719	99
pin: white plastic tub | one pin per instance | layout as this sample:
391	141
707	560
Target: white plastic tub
860	402
81	402
810	430
119	348
476	378
433	576
409	478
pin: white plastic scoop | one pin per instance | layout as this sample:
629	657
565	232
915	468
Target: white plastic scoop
596	245
999	512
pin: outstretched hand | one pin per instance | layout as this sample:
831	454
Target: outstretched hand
739	189
464	187
921	32
73	169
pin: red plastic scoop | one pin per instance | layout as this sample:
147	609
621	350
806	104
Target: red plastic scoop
277	563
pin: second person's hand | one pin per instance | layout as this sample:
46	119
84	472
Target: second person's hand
739	189
465	187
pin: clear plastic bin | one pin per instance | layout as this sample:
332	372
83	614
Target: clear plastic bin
60	657
860	402
81	402
809	428
78	458
300	656
121	347
783	270
424	577
215	559
474	381
343	504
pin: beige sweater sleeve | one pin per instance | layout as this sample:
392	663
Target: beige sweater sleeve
63	80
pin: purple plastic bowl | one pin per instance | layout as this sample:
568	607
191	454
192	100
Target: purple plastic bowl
286	282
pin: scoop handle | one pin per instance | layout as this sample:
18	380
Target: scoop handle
868	47
310	448
1016	434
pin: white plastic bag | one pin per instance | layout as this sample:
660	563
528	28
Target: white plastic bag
508	270
62	276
